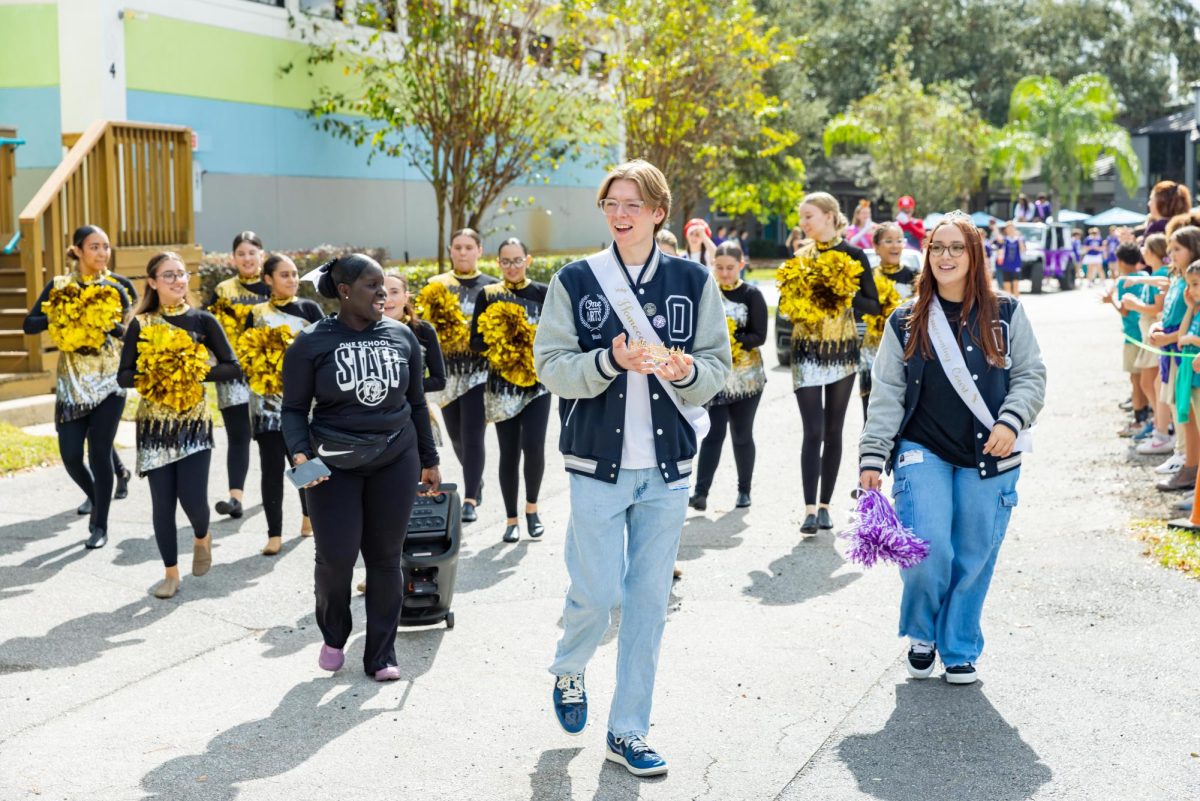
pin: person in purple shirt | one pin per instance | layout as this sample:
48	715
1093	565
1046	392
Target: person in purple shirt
1111	243
1041	208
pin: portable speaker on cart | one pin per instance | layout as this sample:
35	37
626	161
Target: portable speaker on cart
430	559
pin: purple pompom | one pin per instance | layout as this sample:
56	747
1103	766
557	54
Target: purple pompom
877	534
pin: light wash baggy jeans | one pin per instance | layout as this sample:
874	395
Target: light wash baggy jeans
963	516
607	570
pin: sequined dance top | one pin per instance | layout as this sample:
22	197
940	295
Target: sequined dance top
465	370
745	306
165	435
296	314
502	399
238	292
85	377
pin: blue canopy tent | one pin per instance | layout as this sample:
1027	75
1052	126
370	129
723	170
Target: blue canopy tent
982	219
933	219
1069	216
1116	216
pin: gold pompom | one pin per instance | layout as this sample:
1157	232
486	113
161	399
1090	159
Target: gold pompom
80	317
260	351
509	338
817	285
889	301
170	367
735	348
439	307
231	316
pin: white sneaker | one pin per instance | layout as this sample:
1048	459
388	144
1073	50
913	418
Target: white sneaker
1170	466
1156	445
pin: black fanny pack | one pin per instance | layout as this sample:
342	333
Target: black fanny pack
347	450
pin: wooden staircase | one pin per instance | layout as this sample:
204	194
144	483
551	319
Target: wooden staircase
134	180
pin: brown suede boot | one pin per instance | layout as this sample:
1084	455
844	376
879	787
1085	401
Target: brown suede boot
274	545
202	555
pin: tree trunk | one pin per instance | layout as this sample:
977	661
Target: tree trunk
439	192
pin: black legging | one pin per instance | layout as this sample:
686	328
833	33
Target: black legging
738	417
237	433
821	453
185	481
118	465
523	434
273	459
465	424
367	512
98	429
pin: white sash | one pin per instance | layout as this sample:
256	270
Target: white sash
945	345
611	278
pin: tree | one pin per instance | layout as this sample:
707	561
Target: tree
928	144
1063	130
690	81
475	96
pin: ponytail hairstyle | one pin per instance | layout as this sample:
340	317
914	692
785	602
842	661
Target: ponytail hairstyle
247	236
829	205
410	306
729	247
512	240
149	301
273	261
1171	199
342	270
79	237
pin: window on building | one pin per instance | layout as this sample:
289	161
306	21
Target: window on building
320	8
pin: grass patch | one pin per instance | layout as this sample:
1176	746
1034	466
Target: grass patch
761	275
22	451
1173	548
129	413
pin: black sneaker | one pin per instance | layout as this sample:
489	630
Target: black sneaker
122	489
85	508
921	659
512	533
231	507
698	502
809	526
824	521
743	500
961	674
534	523
97	538
468	513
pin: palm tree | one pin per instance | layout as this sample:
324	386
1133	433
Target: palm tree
1063	130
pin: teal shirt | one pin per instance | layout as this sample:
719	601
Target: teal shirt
1175	306
1151	293
1131	321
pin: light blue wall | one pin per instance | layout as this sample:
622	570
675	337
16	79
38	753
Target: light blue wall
34	112
249	139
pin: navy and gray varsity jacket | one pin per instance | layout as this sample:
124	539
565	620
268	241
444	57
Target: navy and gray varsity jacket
1014	395
573	356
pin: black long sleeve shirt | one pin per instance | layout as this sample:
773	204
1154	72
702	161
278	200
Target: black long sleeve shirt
941	421
203	327
753	333
435	365
866	299
363	382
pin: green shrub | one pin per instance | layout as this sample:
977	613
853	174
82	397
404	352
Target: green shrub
20	450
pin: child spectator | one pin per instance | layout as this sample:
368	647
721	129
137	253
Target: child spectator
1129	258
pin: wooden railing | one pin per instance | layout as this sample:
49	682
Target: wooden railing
132	179
8	169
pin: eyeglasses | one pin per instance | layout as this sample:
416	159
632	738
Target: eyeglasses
614	207
172	278
955	249
512	262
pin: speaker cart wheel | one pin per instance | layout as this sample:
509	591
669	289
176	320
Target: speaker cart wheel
1035	276
449	620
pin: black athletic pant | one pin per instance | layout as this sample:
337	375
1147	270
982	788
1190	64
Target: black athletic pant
821	453
118	465
237	432
739	418
367	512
273	459
98	429
185	481
523	434
465	424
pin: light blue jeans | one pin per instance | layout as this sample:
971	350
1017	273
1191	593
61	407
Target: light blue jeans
963	516
608	569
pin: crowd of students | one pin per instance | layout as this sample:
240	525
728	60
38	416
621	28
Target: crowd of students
1155	290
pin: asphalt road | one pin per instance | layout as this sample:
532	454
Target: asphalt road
781	673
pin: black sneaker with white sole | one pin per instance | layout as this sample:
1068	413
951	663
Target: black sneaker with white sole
921	659
961	674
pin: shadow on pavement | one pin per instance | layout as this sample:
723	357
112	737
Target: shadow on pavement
944	742
805	573
85	638
488	567
551	780
133	550
16	537
702	534
617	784
36	569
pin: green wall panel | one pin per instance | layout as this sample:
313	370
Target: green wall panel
186	58
28	45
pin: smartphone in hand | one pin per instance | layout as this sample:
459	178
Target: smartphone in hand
305	474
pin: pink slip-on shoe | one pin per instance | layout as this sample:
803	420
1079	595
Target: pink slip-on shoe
331	659
389	673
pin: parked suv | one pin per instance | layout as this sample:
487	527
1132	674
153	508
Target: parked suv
1048	254
783	326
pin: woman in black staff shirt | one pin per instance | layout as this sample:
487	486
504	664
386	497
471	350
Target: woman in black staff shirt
360	374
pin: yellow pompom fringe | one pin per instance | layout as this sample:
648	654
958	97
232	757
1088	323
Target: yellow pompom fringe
889	301
509	338
170	367
231	316
80	317
817	285
260	351
439	306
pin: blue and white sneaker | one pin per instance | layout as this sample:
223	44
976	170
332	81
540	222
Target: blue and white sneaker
637	757
570	703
